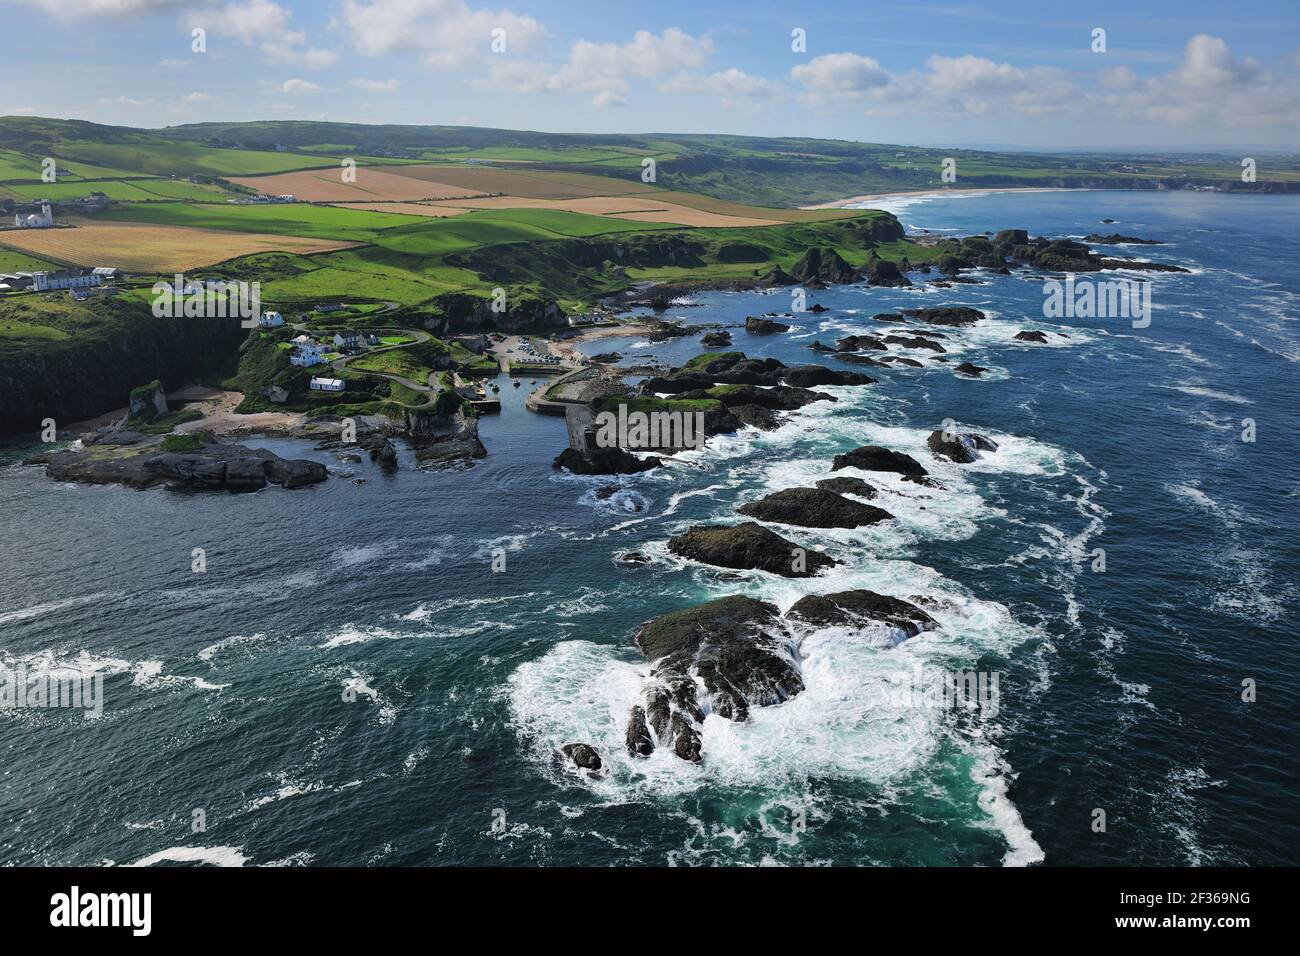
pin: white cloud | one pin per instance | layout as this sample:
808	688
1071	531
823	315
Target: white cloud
1210	88
607	67
173	64
729	85
299	86
124	101
606	99
267	25
375	86
196	97
446	34
833	76
72	9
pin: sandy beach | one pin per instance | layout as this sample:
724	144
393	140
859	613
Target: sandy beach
916	193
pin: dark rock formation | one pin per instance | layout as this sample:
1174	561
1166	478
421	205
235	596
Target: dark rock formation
856	343
604	461
583	755
823	265
1115	239
813	508
844	485
882	272
637	737
716	340
962	447
740	650
757	326
876	458
810	376
975	371
1032	336
749	546
914	342
953	315
859	608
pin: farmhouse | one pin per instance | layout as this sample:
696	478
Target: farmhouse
319	384
330	307
66	279
347	339
271	320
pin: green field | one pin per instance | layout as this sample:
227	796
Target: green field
297	219
14	261
132	190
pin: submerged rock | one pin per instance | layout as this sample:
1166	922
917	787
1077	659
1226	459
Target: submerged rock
813	508
974	371
1032	336
749	546
716	340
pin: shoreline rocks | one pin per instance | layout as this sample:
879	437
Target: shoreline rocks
876	458
749	547
813	508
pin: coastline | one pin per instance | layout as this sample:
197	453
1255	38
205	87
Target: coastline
937	193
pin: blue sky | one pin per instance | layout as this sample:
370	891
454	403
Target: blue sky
1171	74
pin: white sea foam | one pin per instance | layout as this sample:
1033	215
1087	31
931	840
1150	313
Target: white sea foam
209	855
239	640
1202	392
49	607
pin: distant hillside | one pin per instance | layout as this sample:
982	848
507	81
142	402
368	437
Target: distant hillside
762	171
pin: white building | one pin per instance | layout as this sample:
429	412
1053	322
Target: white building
271	320
33	221
327	384
306	356
347	339
57	281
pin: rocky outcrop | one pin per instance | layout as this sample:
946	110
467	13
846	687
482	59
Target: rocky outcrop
758	326
960	447
749	546
716	340
876	458
583	756
148	402
861	609
813	508
213	465
844	485
1032	336
604	461
823	266
956	316
810	376
1115	239
914	342
882	272
856	343
739	651
974	371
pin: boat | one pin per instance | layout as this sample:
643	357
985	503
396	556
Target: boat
517	383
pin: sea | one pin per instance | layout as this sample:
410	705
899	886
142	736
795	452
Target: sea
382	673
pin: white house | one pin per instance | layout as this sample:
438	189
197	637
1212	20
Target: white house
347	339
271	320
306	356
33	221
319	384
56	281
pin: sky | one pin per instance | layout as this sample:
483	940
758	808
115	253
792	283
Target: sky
1046	74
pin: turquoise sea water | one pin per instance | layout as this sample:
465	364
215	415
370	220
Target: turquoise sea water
1121	691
